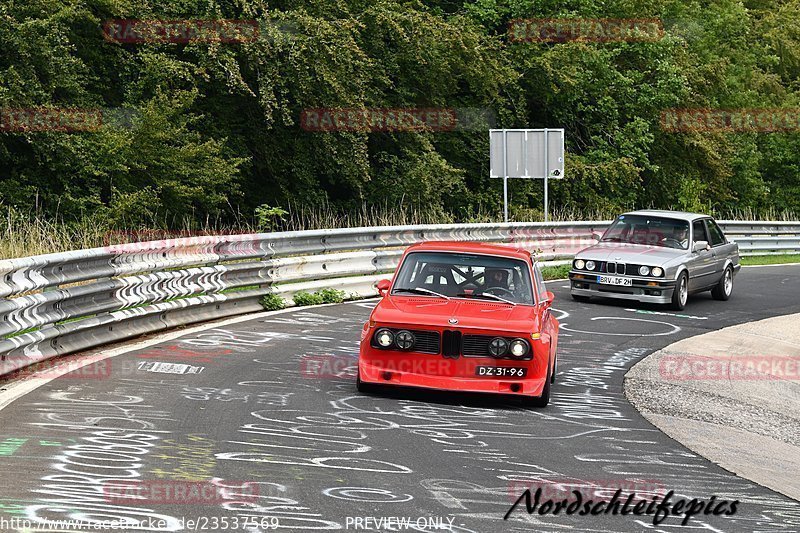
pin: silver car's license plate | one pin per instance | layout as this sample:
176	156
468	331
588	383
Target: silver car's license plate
615	280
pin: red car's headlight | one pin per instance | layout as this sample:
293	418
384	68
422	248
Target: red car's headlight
498	347
519	348
384	338
404	339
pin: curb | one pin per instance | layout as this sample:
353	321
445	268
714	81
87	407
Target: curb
746	421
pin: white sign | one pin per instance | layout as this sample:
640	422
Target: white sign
527	154
537	153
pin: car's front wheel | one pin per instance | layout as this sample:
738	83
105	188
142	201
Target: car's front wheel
681	293
539	401
724	288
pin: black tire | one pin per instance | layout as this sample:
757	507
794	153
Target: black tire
681	293
540	401
579	298
723	289
555	369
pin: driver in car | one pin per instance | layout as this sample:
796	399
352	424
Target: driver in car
495	278
501	280
682	235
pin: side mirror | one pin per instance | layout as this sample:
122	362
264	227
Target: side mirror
548	299
383	286
700	246
596	236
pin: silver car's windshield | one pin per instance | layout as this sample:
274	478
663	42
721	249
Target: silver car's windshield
649	231
465	275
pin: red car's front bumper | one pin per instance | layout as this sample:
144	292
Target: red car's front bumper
409	369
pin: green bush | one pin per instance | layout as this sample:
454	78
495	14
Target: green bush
306	298
550	273
272	302
322	296
267	217
331	296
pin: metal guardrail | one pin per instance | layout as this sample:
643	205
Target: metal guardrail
62	303
763	238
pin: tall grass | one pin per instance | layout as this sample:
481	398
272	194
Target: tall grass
321	216
752	214
324	215
22	235
25	234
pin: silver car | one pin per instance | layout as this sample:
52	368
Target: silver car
659	257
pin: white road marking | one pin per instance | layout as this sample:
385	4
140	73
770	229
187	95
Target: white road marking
675	329
646	312
169	368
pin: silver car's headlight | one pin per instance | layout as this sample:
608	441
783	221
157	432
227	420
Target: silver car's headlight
657	272
644	271
590	265
579	264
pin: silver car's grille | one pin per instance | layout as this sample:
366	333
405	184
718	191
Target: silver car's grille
621	269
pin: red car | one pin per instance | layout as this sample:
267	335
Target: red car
463	316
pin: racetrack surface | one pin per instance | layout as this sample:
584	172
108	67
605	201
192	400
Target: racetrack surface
254	402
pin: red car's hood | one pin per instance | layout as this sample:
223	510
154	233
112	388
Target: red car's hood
436	312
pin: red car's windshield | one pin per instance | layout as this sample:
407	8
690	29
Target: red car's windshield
649	231
464	275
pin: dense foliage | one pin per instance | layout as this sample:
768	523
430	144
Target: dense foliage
215	130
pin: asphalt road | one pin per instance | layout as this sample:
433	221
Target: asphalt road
272	403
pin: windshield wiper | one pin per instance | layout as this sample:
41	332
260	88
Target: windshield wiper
488	295
417	290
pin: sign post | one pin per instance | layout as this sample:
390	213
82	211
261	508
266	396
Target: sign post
505	177
529	154
547	167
